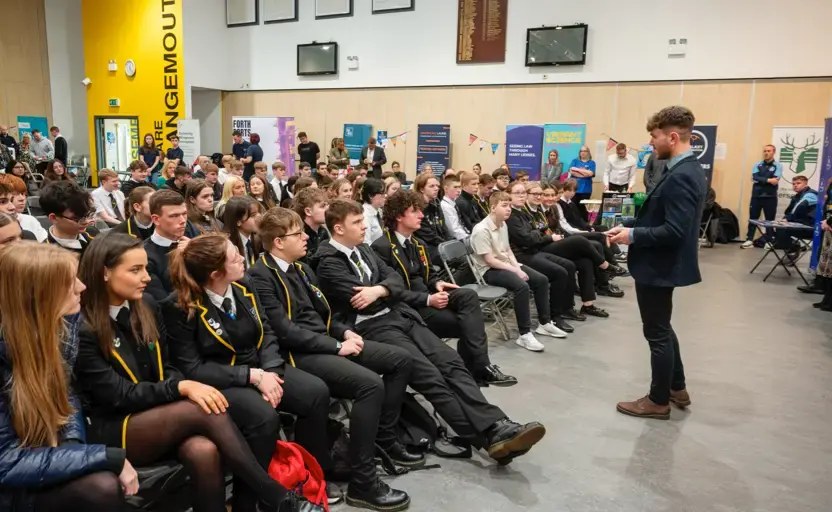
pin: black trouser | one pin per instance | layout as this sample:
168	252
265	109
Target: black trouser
438	373
656	307
561	275
582	207
377	401
768	207
599	239
304	395
783	238
618	188
537	284
461	318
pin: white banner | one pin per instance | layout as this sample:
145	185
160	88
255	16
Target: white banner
266	128
189	140
798	150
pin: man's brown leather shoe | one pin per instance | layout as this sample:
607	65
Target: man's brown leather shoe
644	408
680	398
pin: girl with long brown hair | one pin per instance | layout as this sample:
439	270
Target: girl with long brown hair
150	154
137	207
55	171
44	461
136	400
240	223
262	193
223	339
199	197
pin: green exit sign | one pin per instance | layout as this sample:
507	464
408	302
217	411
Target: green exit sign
114	102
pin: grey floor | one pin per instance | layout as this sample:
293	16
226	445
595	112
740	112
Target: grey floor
758	436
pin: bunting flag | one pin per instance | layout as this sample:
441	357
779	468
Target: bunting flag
611	143
472	139
394	139
404	137
494	148
482	145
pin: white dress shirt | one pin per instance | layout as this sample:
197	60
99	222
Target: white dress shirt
276	186
370	154
364	268
284	265
32	225
564	224
620	171
455	226
374	229
217	300
101	199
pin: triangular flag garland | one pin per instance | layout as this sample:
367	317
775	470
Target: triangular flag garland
482	145
611	143
394	139
473	138
494	148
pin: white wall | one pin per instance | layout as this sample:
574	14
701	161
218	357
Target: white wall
627	42
206	105
65	44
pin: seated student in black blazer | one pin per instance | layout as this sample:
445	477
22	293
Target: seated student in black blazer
311	204
139	223
10	231
433	231
223	339
448	310
135	400
470	212
70	210
323	346
171	227
240	223
366	294
138	178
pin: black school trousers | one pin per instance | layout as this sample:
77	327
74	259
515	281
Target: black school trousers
462	319
438	373
587	259
377	400
537	286
561	275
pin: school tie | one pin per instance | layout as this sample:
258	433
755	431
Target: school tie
228	309
410	250
114	204
249	253
361	273
123	317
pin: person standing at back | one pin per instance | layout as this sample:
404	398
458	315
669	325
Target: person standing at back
620	173
663	255
240	146
308	151
582	170
766	176
254	154
373	157
175	152
61	149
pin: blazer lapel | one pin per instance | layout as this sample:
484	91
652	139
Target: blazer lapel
210	318
244	296
122	352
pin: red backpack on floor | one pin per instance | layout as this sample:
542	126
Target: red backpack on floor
297	470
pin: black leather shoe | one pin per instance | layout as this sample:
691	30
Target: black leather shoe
573	314
609	290
616	271
491	375
813	287
594	310
378	496
333	493
507	439
563	325
292	502
401	457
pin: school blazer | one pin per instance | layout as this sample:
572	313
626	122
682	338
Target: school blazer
87	236
419	281
111	384
130	227
277	296
158	266
202	349
523	235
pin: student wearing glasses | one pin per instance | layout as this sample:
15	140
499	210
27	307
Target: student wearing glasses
70	210
502	177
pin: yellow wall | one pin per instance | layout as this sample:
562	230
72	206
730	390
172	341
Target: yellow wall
150	33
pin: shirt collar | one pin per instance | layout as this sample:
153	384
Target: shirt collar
284	265
489	222
218	299
115	310
69	243
401	238
161	241
140	224
448	200
341	247
371	209
244	239
678	158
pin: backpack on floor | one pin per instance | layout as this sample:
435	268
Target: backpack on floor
297	470
729	226
421	432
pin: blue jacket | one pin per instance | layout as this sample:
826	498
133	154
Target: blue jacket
761	173
802	207
28	469
665	239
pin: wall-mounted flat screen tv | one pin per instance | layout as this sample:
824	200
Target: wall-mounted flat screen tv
318	59
556	46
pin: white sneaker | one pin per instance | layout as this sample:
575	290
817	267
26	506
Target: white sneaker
550	329
529	342
748	244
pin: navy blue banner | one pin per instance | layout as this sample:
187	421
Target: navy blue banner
355	138
433	147
823	186
524	144
703	144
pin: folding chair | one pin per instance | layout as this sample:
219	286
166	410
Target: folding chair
490	297
44	221
704	227
33	206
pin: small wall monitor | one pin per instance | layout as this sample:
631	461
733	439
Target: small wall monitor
556	46
317	59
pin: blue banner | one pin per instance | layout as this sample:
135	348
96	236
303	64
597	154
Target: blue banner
524	143
355	138
25	124
566	139
433	147
825	176
703	145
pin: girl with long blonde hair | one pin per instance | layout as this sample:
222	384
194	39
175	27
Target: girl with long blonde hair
233	187
44	463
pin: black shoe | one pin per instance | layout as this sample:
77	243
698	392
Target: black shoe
491	375
378	496
573	314
616	271
507	439
562	324
813	287
401	457
609	290
292	502
594	310
621	257
817	305
333	493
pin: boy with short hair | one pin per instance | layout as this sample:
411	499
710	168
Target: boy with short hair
175	152
304	169
14	203
453	218
70	210
521	177
311	204
502	177
138	178
485	188
181	177
170	220
212	177
108	199
280	182
398	173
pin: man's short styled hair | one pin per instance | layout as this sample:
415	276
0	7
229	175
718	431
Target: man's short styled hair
261	166
236	133
398	203
60	196
500	172
275	223
521	174
801	177
164	197
486	180
450	180
17	185
236	164
468	177
278	165
570	185
621	146
307	198
301	135
106	174
372	187
677	117
422	180
321	165
339	210
181	171
173	136
498	197
210	169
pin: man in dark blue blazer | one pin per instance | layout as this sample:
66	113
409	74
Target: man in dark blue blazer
664	254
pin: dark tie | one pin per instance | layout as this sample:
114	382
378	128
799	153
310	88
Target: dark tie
410	249
123	317
227	308
114	204
249	253
459	217
361	273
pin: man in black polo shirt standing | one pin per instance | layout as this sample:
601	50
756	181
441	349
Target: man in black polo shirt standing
175	152
240	146
308	151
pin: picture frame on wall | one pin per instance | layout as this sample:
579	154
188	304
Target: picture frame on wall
333	9
241	13
279	11
388	6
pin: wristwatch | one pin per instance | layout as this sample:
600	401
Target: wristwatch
337	346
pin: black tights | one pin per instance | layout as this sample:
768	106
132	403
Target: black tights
98	491
201	442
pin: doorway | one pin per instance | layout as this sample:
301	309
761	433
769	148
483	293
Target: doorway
116	141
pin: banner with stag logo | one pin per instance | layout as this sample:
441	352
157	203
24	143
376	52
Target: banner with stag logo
798	150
